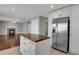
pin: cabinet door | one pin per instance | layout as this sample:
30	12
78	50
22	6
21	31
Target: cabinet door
27	47
31	48
24	50
24	47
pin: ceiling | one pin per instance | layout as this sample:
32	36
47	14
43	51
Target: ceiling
25	12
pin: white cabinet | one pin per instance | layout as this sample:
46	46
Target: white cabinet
31	48
60	13
43	47
28	47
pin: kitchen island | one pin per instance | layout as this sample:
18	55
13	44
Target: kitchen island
34	44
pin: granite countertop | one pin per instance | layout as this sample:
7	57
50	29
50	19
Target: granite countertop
35	37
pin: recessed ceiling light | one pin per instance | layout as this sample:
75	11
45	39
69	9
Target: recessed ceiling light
13	9
51	6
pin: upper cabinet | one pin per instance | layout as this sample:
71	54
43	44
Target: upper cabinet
60	13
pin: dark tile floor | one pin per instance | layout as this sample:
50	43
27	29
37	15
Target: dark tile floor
7	42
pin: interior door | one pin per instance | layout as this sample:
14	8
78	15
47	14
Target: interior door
62	38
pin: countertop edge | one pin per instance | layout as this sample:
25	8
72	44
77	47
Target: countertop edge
36	40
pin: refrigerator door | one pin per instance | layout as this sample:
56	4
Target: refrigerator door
62	37
54	34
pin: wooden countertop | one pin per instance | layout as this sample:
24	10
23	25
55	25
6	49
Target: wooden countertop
35	37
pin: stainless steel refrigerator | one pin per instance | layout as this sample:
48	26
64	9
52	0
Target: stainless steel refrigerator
60	34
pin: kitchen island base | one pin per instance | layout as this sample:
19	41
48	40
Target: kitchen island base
29	47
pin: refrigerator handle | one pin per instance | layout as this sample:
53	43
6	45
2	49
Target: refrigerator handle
54	30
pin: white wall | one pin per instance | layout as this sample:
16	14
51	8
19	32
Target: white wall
28	27
43	25
38	25
74	29
24	28
73	13
4	26
35	26
21	28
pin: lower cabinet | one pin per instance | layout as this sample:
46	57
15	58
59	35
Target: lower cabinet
28	47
